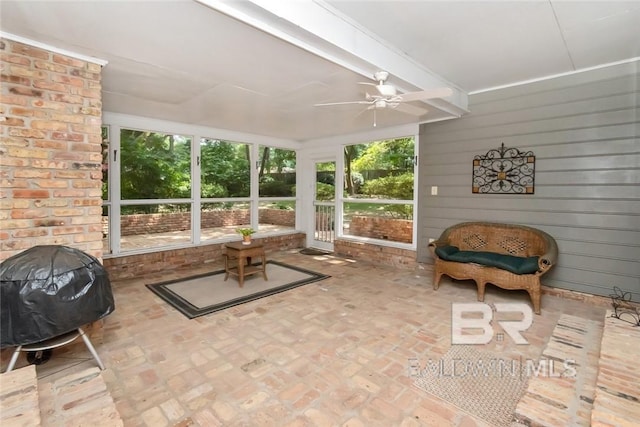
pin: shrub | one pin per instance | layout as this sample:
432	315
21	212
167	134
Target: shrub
399	211
326	177
391	187
325	191
276	189
285	206
213	190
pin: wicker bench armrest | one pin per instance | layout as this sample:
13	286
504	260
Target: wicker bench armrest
443	240
436	244
550	257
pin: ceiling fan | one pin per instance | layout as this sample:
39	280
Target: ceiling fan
387	97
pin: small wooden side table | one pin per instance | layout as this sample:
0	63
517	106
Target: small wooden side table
244	253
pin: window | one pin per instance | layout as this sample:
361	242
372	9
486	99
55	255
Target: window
154	165
224	169
152	200
106	199
155	189
154	225
378	190
277	189
225	188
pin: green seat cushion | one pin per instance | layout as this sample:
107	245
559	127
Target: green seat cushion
445	251
514	264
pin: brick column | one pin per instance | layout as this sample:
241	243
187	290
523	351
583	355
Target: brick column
50	151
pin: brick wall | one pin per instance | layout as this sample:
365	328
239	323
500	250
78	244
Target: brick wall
284	217
395	230
126	267
159	223
396	257
50	153
132	225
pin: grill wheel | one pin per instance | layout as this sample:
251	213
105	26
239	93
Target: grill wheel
39	357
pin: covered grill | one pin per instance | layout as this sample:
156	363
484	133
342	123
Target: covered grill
49	291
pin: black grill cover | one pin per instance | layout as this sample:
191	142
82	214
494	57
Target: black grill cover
47	291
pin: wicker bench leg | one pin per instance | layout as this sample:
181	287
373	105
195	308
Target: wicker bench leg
535	295
436	279
481	284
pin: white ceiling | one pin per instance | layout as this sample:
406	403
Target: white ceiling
260	66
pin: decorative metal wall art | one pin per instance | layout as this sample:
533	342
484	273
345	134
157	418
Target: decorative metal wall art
623	307
504	171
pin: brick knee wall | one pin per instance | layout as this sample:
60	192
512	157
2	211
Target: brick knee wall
129	266
392	229
402	258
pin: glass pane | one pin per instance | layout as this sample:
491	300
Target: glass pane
380	170
152	226
220	220
393	222
105	162
277	215
325	181
277	173
154	165
106	245
224	169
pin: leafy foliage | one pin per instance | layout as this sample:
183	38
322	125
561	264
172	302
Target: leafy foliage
158	166
388	154
154	166
398	187
277	172
276	189
399	211
276	160
225	169
325	191
245	231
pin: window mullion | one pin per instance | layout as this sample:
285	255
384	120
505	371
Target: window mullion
114	188
196	183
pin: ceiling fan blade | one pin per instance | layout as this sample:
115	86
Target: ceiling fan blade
341	103
411	109
426	94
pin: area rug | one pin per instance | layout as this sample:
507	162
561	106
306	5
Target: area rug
206	293
479	383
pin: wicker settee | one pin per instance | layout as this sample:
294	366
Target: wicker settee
508	256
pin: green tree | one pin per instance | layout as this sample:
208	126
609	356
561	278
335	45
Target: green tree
225	169
351	154
154	166
389	154
282	159
277	172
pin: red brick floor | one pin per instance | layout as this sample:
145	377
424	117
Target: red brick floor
331	353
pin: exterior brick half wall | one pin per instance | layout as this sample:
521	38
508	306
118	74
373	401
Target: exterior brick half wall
160	223
396	230
127	267
377	254
50	150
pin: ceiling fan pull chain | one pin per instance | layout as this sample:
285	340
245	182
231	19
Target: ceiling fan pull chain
374	117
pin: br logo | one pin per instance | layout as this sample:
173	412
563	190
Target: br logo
473	324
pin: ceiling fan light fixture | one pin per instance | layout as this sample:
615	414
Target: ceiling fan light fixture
380	103
386	90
